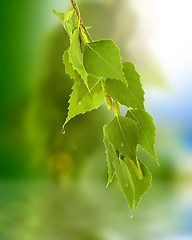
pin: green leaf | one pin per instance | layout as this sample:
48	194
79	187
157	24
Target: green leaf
124	180
69	68
88	27
76	56
146	130
82	99
69	21
102	59
131	95
122	132
111	156
141	186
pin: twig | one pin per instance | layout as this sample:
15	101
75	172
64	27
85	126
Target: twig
78	15
74	6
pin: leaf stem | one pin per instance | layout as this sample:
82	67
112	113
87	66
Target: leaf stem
76	8
69	11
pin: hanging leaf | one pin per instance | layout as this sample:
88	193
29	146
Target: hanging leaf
83	100
140	186
131	95
146	130
102	59
123	134
124	180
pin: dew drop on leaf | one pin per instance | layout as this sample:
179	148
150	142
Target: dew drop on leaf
121	144
79	103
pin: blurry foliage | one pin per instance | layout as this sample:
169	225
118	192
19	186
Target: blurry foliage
117	20
48	111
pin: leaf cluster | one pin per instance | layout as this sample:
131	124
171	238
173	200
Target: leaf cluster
99	75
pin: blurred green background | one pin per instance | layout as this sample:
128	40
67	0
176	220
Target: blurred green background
52	186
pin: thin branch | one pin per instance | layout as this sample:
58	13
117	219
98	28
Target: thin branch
74	6
78	15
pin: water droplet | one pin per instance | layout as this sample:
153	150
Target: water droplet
63	130
126	184
121	144
79	103
131	215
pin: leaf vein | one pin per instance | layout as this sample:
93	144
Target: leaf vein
102	58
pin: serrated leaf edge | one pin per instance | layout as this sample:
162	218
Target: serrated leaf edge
110	178
70	60
123	80
68	73
154	156
67	120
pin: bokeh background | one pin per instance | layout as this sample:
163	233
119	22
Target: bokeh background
52	186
